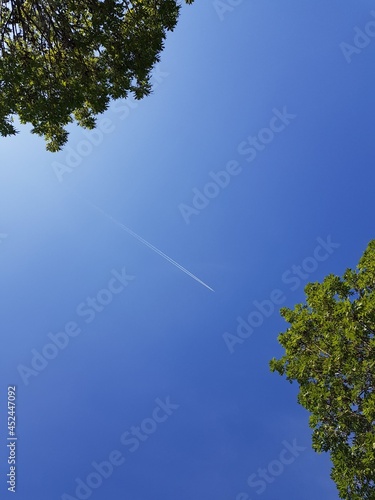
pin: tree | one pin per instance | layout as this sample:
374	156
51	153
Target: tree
330	352
65	60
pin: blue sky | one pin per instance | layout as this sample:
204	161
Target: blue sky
264	97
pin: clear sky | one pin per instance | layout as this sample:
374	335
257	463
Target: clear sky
252	166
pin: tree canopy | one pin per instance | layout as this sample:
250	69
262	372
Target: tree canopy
330	352
62	61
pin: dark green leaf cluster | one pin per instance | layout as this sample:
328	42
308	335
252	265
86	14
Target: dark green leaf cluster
330	352
62	61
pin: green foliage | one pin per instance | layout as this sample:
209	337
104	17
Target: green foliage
330	352
62	61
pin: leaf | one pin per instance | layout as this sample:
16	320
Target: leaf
61	61
330	353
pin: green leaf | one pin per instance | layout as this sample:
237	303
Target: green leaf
330	353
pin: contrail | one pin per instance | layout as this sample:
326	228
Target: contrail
156	250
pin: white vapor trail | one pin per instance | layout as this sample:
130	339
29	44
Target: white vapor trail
156	250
